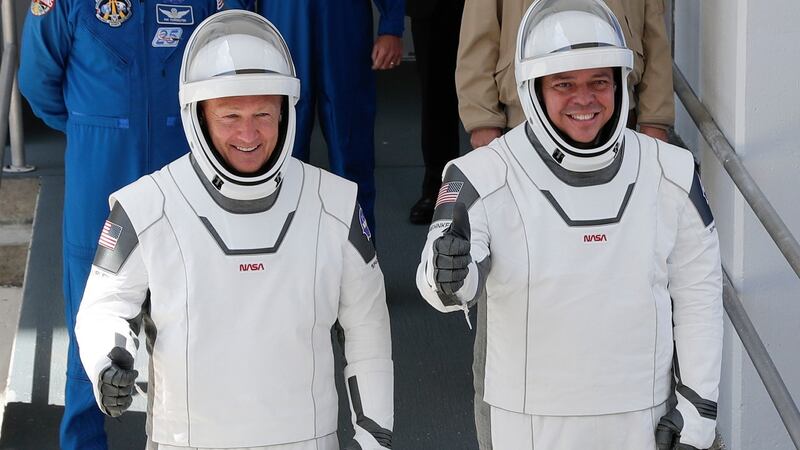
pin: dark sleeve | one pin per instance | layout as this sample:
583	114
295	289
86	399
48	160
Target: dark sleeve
392	20
117	241
46	42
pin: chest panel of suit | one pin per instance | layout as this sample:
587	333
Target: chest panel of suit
583	279
254	310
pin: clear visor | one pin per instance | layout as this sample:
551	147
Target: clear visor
236	42
555	26
236	53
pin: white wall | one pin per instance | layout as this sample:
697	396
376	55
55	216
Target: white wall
742	59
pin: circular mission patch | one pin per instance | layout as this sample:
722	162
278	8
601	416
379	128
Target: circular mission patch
42	7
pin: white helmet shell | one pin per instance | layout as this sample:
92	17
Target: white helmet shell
237	53
558	36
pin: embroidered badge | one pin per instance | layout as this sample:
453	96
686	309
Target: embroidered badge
449	192
220	4
167	37
110	235
174	14
113	12
42	7
364	226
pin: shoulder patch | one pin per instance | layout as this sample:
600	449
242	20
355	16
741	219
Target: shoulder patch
117	241
42	7
455	188
698	197
360	236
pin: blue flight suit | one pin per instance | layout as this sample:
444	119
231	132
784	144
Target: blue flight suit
105	72
331	44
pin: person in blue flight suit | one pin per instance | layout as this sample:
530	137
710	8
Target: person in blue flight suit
335	54
105	72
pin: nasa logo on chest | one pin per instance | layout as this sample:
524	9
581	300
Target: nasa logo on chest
251	267
594	238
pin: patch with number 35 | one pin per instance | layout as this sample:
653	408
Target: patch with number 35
167	37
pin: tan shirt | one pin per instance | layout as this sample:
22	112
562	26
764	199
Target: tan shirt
485	82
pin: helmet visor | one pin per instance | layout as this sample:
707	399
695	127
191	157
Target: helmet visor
234	54
561	35
555	26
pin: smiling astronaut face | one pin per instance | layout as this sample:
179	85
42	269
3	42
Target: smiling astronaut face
244	130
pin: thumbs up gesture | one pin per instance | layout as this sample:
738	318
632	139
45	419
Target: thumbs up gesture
451	253
117	382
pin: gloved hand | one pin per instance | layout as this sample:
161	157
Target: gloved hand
451	253
117	382
668	432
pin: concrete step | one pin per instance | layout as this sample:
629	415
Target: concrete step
18	198
17	206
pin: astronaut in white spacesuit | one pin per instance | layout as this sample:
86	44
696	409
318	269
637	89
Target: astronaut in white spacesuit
237	259
592	253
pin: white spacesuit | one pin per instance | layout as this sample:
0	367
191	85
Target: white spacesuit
238	278
590	264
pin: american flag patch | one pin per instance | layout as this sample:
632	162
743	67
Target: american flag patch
109	235
449	192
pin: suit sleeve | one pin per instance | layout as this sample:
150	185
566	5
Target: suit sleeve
46	43
392	17
695	284
656	104
478	54
112	302
364	317
478	269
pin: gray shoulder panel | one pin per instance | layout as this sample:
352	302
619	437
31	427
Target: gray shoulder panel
698	198
117	241
456	187
360	236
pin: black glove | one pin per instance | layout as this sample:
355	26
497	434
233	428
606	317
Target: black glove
352	445
451	253
117	382
668	432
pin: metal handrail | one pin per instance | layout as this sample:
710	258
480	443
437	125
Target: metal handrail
15	130
766	369
10	102
763	209
776	388
6	79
